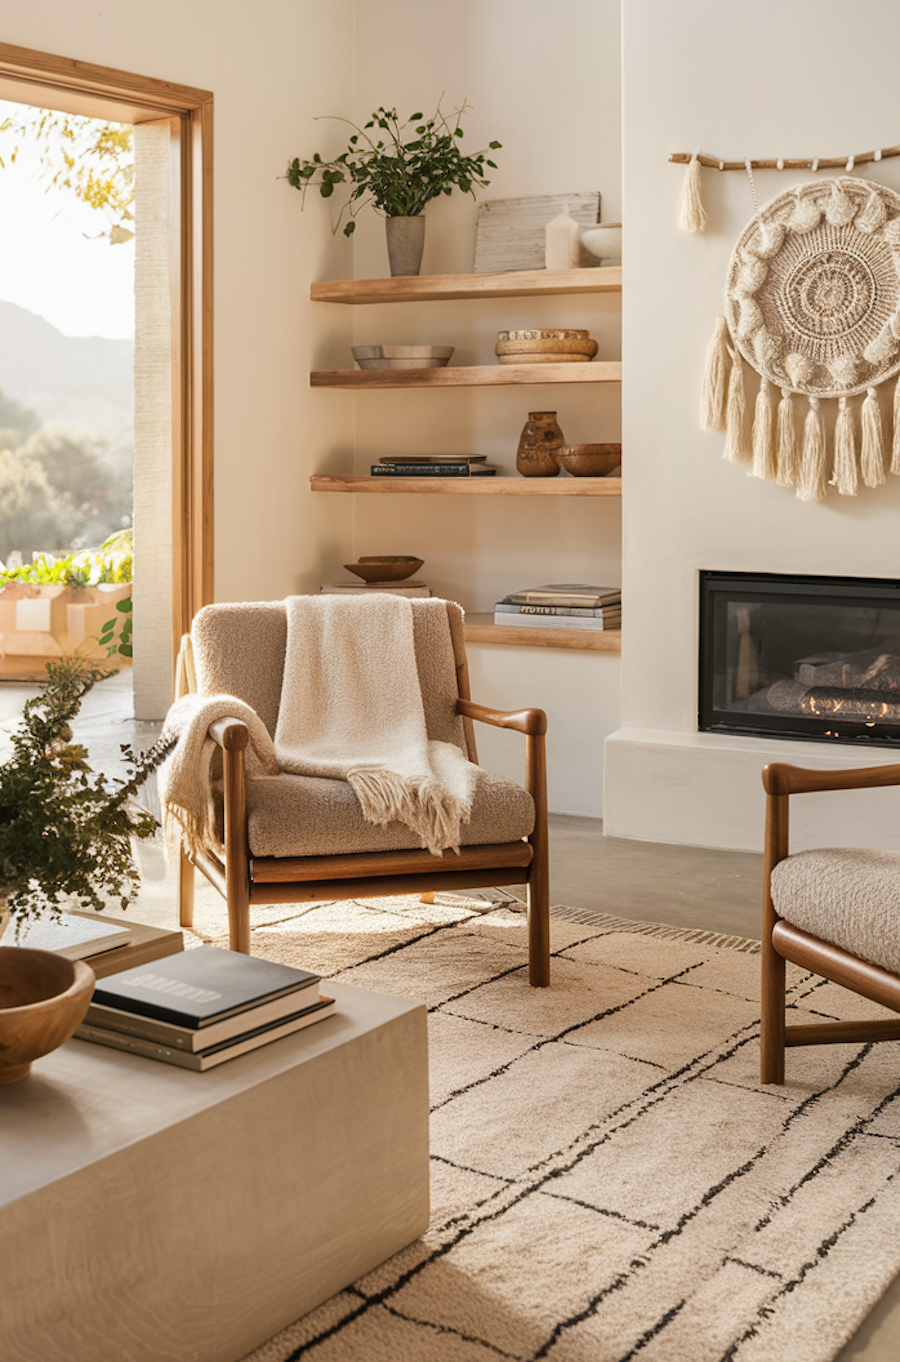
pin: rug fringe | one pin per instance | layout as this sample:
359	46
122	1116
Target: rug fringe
699	935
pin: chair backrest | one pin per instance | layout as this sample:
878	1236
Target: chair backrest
239	649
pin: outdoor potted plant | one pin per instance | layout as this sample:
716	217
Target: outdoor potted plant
399	173
53	606
65	840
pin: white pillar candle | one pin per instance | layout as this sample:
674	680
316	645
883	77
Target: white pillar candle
562	248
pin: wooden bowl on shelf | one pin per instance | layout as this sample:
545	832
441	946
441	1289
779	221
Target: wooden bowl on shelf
589	461
43	998
393	569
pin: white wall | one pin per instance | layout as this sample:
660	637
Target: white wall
543	80
271	67
752	78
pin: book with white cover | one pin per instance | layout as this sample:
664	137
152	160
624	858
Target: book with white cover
71	935
216	1054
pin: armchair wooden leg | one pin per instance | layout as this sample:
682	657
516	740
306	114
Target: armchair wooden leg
771	1037
539	927
538	896
772	998
185	891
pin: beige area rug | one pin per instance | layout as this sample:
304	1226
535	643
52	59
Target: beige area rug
609	1179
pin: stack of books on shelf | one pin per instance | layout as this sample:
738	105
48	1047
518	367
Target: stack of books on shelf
565	605
201	1007
407	588
434	466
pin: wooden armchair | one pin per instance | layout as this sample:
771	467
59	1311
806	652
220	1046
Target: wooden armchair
835	912
296	839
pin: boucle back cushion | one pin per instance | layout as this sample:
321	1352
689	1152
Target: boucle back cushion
239	649
848	897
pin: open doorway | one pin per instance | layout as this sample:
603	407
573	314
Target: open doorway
172	129
67	301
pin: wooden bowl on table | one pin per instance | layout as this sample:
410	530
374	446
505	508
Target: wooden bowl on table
43	998
589	461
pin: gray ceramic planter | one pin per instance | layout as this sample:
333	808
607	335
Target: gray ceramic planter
405	242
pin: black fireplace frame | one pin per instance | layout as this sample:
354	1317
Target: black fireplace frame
798	588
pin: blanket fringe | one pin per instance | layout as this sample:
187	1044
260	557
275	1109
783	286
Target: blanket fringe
432	813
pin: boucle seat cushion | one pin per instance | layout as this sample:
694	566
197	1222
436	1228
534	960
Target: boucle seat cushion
848	897
303	816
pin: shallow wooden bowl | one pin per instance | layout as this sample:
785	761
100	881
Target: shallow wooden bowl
43	998
395	569
589	461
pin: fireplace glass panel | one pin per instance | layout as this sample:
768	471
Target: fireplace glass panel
800	657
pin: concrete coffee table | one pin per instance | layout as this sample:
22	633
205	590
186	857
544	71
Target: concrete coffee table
149	1212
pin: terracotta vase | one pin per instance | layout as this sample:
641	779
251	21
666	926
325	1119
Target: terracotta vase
540	438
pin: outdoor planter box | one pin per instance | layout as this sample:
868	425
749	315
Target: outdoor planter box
39	624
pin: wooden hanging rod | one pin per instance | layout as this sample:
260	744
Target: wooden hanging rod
806	163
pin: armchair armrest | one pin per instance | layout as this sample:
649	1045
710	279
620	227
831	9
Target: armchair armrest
779	778
232	735
528	721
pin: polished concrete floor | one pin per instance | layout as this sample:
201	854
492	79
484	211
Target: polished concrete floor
682	886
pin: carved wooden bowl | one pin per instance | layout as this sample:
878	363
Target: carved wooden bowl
589	461
43	998
395	569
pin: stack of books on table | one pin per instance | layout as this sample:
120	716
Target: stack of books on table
407	588
566	605
434	466
201	1007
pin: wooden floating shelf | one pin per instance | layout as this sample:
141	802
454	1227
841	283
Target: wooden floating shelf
447	287
468	486
482	629
477	375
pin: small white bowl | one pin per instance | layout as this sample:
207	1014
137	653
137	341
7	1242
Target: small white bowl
604	242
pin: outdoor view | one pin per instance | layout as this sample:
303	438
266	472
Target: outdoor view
66	356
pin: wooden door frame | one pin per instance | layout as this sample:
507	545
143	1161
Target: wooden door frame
78	87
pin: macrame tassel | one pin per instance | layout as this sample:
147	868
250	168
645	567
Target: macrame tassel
895	447
844	477
737	448
692	217
786	441
714	399
765	462
811	480
872	455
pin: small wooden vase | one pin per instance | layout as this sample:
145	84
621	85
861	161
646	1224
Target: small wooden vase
540	439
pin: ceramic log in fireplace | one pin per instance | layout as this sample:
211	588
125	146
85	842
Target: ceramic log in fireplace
800	657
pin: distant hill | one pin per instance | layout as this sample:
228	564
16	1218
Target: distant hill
79	380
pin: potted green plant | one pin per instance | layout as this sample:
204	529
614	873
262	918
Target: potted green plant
66	831
399	172
53	606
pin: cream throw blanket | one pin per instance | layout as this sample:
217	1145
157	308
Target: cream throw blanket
351	709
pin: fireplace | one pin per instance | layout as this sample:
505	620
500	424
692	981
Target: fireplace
800	657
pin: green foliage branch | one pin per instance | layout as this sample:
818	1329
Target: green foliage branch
399	173
66	831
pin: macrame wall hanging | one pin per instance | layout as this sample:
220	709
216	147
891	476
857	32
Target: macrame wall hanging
812	305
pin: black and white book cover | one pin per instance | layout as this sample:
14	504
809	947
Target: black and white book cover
199	986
